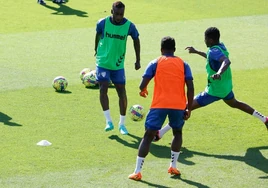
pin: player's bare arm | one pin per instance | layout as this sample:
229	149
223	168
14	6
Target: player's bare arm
192	50
225	63
97	39
190	96
136	43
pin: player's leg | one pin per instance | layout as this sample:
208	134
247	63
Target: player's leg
232	102
118	78
200	100
153	122
176	122
103	77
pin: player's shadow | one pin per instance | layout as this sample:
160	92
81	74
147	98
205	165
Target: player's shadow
7	120
196	184
63	9
253	158
157	150
161	152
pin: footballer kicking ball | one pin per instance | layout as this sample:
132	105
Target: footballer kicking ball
89	79
60	83
83	72
136	112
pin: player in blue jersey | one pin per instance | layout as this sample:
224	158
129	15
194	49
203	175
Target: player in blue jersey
219	77
110	50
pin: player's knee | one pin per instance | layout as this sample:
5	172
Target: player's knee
234	104
177	132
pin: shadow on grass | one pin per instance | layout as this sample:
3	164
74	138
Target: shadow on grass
196	184
64	92
153	184
161	152
155	149
63	9
253	158
6	120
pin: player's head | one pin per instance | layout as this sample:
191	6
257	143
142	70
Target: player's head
168	45
118	10
212	36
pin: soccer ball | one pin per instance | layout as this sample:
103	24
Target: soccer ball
136	112
83	72
89	79
60	83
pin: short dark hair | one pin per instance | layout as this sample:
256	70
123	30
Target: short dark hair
168	43
118	4
213	33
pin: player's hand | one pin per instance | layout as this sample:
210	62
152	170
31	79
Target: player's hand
144	93
187	114
216	76
137	65
191	49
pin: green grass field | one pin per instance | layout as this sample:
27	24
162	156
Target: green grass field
222	147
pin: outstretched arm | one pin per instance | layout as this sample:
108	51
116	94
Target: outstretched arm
136	43
192	50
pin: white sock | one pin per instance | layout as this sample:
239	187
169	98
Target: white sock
259	116
107	115
174	158
164	130
122	120
139	163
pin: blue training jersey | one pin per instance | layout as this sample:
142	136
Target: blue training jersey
133	32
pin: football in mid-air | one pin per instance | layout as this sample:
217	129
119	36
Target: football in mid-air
83	72
60	83
136	112
89	79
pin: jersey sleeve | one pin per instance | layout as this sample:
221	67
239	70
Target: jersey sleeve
150	69
216	54
133	32
187	72
100	26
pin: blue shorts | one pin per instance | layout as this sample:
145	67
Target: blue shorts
116	76
156	118
204	99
